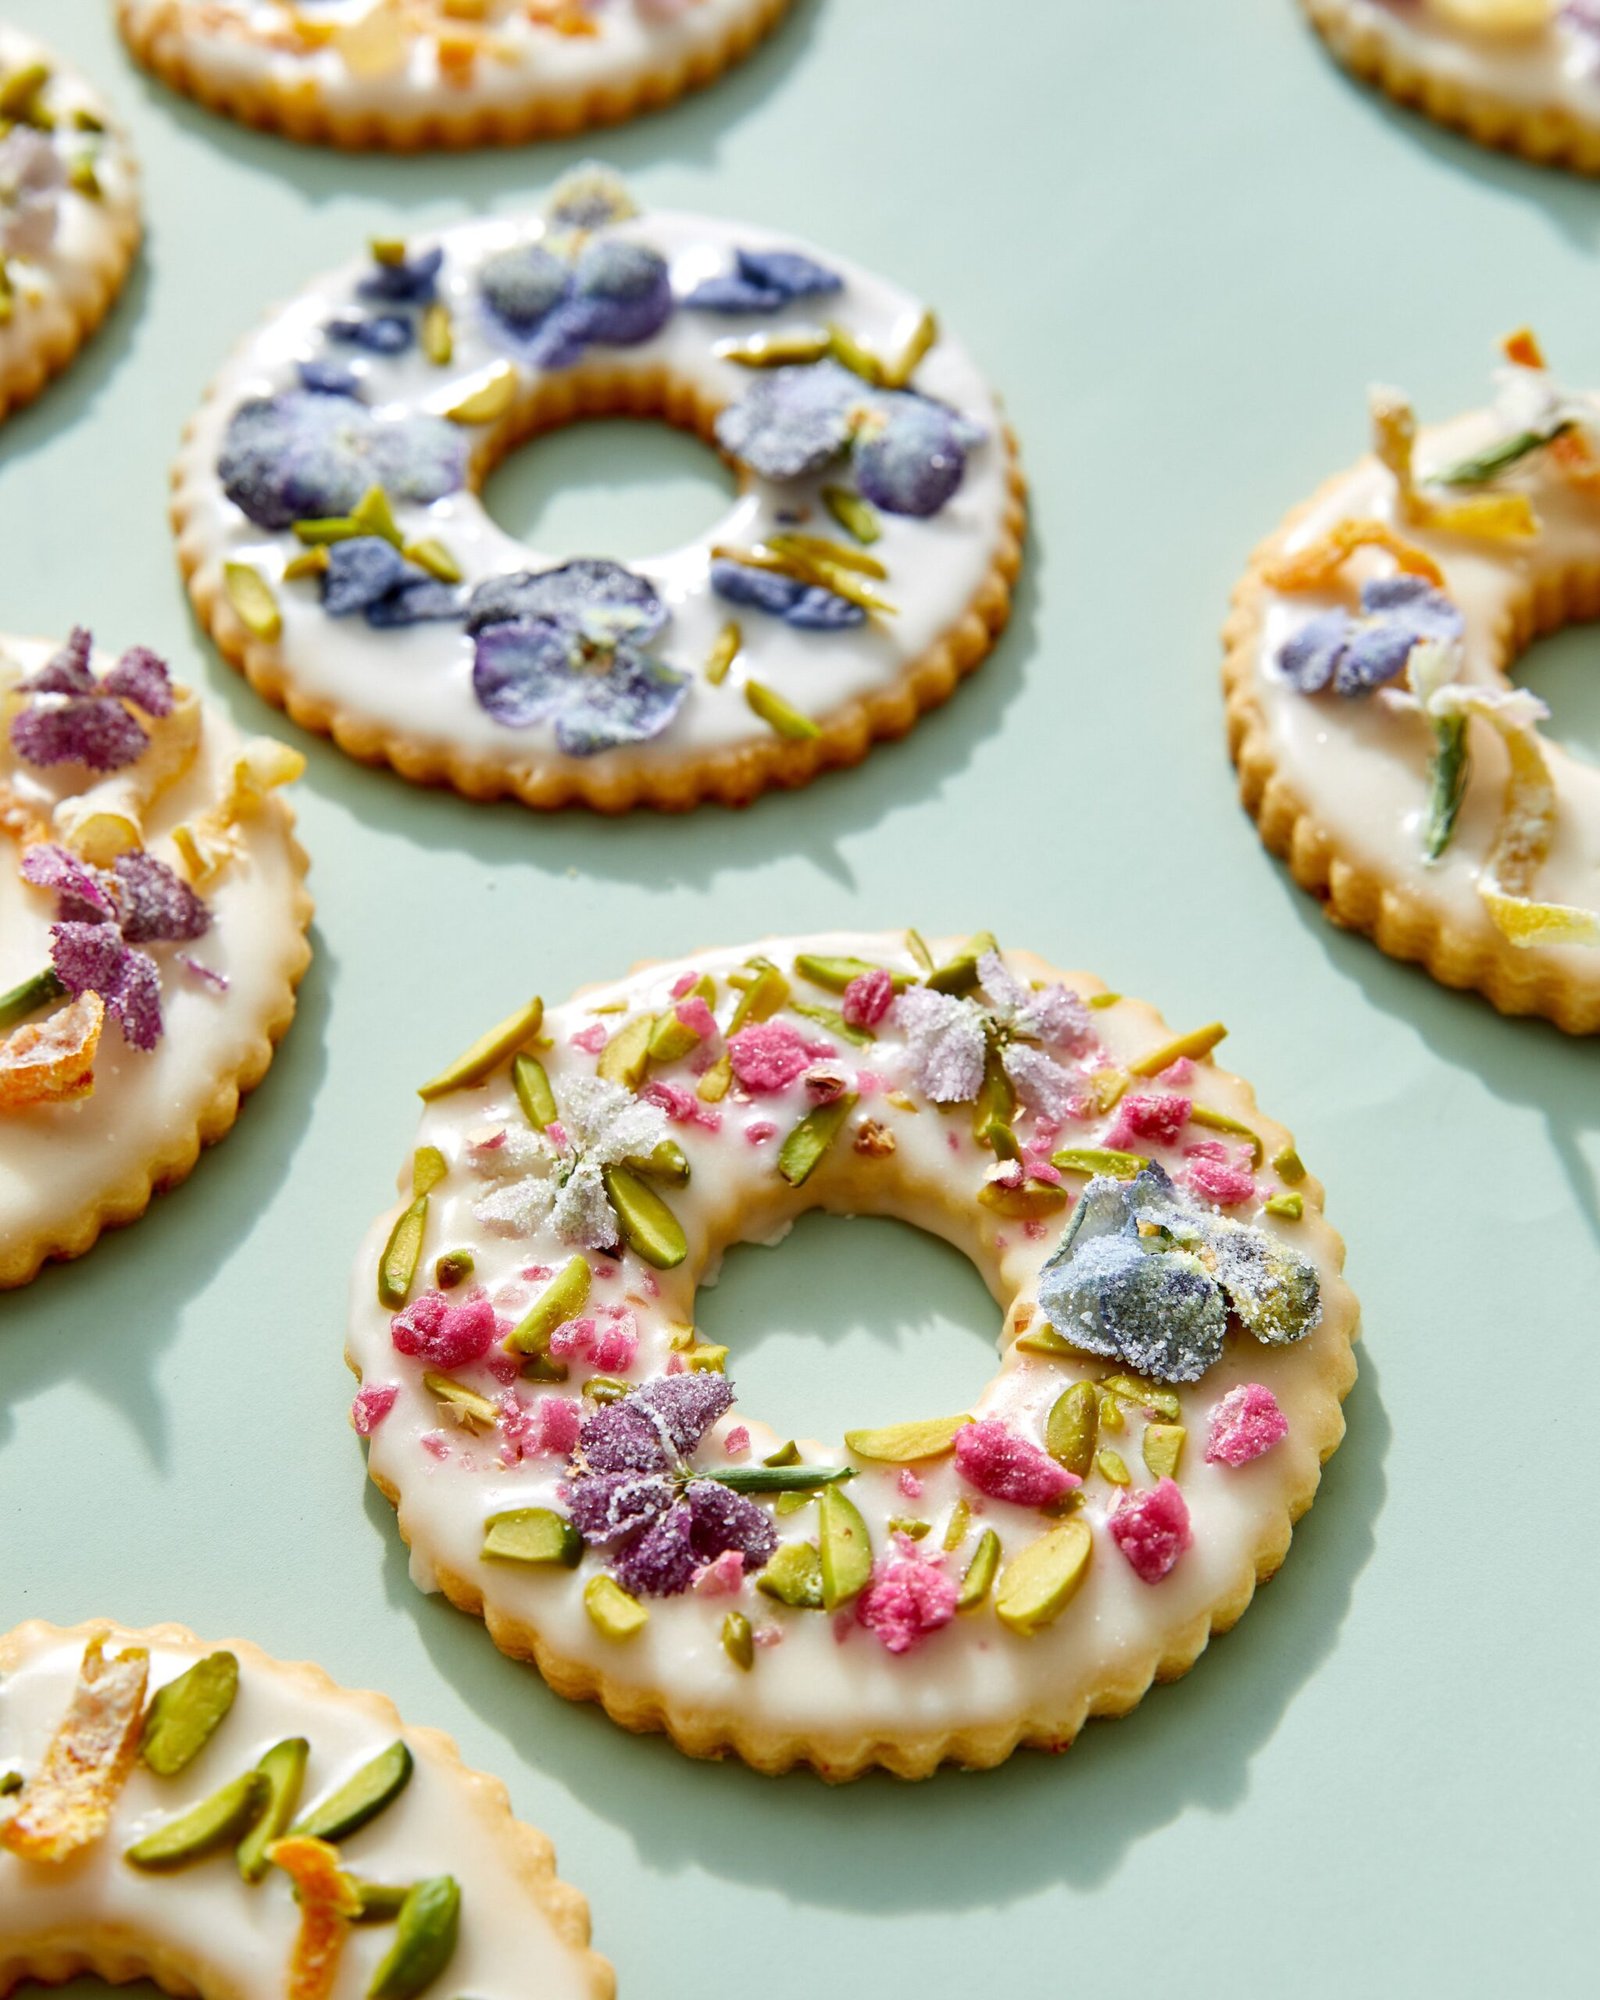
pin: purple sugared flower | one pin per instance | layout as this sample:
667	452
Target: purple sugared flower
1354	655
808	606
74	716
378	333
911	454
304	455
553	308
369	575
764	281
404	280
793	421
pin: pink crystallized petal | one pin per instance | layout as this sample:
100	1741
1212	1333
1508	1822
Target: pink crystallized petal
867	998
444	1334
1148	1117
560	1418
1152	1529
1220	1181
1007	1467
591	1039
371	1406
1246	1423
768	1056
909	1597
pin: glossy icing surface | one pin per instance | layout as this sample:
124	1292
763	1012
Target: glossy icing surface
417	683
822	1677
446	1821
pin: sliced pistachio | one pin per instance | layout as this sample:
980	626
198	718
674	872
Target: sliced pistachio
706	1358
217	1822
837	973
1111	1414
20	88
387	249
397	1267
834	1022
432	555
762	991
924	334
1034	1198
793	1503
771	1478
1113	1466
1143	1395
905	1444
724	651
1196	1045
955	1532
1042	1338
669	1163
611	1610
670	1038
715	1084
794	1577
491	399
464	1404
800	1153
426	1932
373	515
381	1902
83	179
1162	1448
438	334
739	1641
856	516
284	1768
845	1549
251	596
185	1713
1041	1580
532	1535
561	1300
835	555
914	1530
1070	1428
1002	1139
1290	1206
854	354
11	1782
360	1799
1286	1164
1220	1121
428	1168
453	1269
475	1063
649	1227
996	1102
1099	1160
917	945
1101	1000
978	1579
788	1453
626	1056
780	715
605	1388
960	975
307	562
532	1085
42	990
776	350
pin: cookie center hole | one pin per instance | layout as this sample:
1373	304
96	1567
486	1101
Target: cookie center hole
1561	671
611	486
850	1323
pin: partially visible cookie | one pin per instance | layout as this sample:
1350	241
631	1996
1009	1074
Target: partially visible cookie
69	215
152	934
413	74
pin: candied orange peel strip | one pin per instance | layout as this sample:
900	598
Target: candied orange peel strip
1494	516
206	845
52	1062
67	1803
1317	566
328	1902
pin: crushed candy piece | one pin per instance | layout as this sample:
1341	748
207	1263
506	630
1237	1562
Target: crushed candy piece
372	1404
1244	1424
52	1061
1152	1529
768	1056
1218	1179
867	998
1007	1467
329	1903
909	1597
444	1333
1142	1117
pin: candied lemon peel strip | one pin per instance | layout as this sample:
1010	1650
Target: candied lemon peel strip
66	1806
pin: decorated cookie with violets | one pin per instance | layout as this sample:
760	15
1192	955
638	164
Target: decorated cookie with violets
152	933
1382	747
331	531
221	1822
1523	75
411	74
569	1458
69	215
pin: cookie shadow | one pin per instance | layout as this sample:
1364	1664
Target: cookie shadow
73	397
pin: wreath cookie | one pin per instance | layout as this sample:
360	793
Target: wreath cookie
568	1457
69	215
1381	748
226	1824
1523	75
334	543
152	934
409	74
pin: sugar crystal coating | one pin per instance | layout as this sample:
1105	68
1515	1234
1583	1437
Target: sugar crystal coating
908	1598
1007	1467
767	1056
1244	1424
443	1332
1152	1529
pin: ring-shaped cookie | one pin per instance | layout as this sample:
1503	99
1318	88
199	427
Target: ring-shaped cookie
228	1824
334	543
1382	749
153	921
69	214
565	1452
405	75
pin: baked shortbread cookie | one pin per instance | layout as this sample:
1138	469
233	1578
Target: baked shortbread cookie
326	504
152	934
1522	75
1382	749
567	1455
69	214
410	74
226	1824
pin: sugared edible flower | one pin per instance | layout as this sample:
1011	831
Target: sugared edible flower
559	1175
764	281
1356	655
32	178
309	454
948	1037
71	715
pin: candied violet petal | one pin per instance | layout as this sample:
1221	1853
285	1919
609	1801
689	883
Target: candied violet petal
411	281
722	1520
605	1506
599	599
92	958
522	285
378	333
728	292
99	734
764	281
1375	654
66	672
329	378
590	196
819	610
792	421
634	700
141	677
911	455
685	1405
81	891
1415	604
521	672
761	589
621	296
1276	1293
360	571
158	906
301	454
424	600
661	1563
1310	654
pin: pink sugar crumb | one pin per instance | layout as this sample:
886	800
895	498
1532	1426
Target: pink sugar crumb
760	1130
1178	1073
682	984
908	1598
371	1406
910	1484
867	999
1007	1467
572	1336
953	1141
535	1272
722	1578
518	1425
1219	1181
556	1132
1035	1230
502	1366
681	1105
868	1083
435	1444
591	1039
1152	1529
676	1365
650	1284
737	1442
613	1352
768	1056
1147	1117
697	1015
768	1635
559	1421
1244	1424
444	1334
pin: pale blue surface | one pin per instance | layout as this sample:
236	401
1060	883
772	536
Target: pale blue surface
1182	244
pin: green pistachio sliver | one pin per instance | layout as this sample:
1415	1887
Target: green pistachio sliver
793	1503
438	334
491	399
960	975
801	1152
844	1547
838	973
20	88
428	1167
649	1227
765	990
779	715
1113	1466
1196	1045
996	1102
1290	1206
917	945
739	1641
426	1932
778	1478
1071	1427
1102	1000
83	179
1040	1581
251	596
309	562
956	1527
532	1535
11	1782
562	1299
489	1050
669	1163
1220	1121
1448	771
820	549
913	1530
1042	1338
1099	1160
907	1444
603	1389
776	350
397	1267
432	555
706	1358
1139	1394
670	1038
185	1713
387	249
42	990
219	1821
611	1610
372	515
453	1269
86	120
381	1902
835	1023
284	1768
724	652
854	354
463	1403
1288	1165
318	531
532	1085
1485	465
787	1453
626	1056
980	1574
1111	1417
924	335
794	1577
1162	1448
360	1799
856	516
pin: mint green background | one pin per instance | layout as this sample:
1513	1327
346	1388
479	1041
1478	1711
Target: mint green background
1182	244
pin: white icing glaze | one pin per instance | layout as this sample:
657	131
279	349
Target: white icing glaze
1558	66
1363	770
67	280
248	45
446	1821
60	1161
836	1687
416	683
